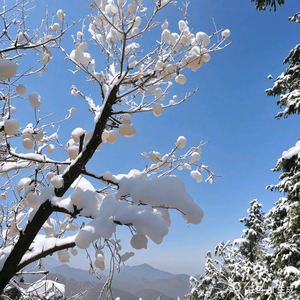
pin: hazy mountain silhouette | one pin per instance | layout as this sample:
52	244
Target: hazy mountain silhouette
77	274
171	287
50	262
74	287
147	272
141	281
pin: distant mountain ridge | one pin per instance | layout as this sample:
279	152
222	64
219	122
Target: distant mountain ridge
77	274
142	281
148	272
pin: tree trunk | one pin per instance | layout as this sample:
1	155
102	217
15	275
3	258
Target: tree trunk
26	238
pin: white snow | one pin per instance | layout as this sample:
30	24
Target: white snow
194	157
239	241
72	227
11	126
77	133
35	99
32	200
139	241
158	93
46	194
197	176
64	202
46	289
107	176
127	130
4	253
50	148
21	89
83	184
22	184
77	196
142	217
291	271
165	36
112	137
9	166
165	25
60	14
181	79
157	109
74	252
99	264
164	213
27	144
99	255
49	226
100	227
292	151
55	27
90	204
155	156
126	256
296	284
72	148
204	37
181	141
167	191
63	256
57	181
225	33
43	243
8	68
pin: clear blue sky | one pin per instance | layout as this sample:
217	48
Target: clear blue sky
231	111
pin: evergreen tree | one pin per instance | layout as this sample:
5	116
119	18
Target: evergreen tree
295	17
253	248
284	217
262	4
224	277
287	85
238	270
243	269
285	223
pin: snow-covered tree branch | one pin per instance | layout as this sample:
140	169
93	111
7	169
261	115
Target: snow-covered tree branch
43	193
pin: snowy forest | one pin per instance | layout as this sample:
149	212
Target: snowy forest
264	263
58	197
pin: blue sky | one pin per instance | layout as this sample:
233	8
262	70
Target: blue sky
231	111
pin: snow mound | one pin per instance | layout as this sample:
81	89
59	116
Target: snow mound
167	192
292	151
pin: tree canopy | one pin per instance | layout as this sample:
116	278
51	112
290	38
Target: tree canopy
263	4
50	204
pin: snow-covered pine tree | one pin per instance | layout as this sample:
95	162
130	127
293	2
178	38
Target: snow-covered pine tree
284	217
284	224
225	276
262	4
287	85
238	270
295	17
253	248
